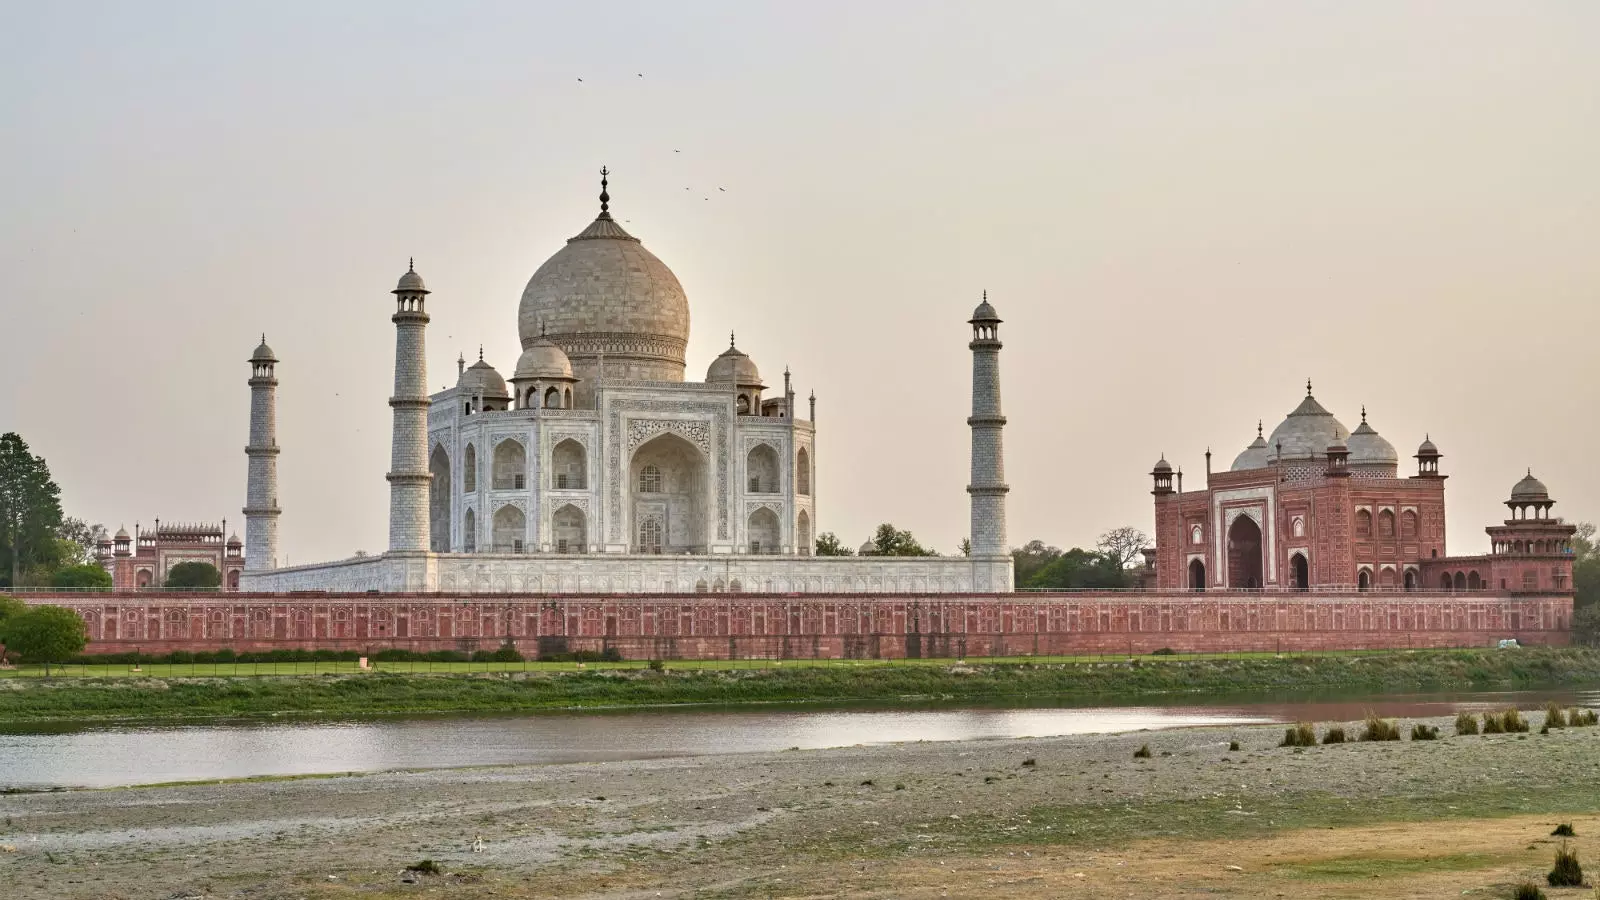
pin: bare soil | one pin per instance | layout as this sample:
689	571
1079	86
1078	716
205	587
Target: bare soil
1057	817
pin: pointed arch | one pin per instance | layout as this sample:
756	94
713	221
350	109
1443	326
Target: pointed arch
1300	571
1363	523
762	531
469	532
510	529
569	466
1386	523
803	534
1409	524
469	470
510	466
1245	551
570	530
439	495
761	469
1364	580
802	473
1197	575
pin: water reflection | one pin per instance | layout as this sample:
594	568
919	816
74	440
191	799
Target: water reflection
108	755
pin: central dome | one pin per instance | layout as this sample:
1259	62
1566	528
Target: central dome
1307	432
605	295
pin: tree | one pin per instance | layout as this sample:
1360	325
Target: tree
1078	569
83	538
965	546
30	506
1027	560
193	574
84	576
1585	569
1125	546
891	541
1586	625
828	545
45	634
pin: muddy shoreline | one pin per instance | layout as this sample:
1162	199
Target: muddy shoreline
745	825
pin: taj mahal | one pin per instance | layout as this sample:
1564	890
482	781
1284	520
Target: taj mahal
599	467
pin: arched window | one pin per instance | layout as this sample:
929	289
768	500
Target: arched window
1386	579
742	405
1386	524
1364	581
143	579
1461	581
650	481
1363	524
1474	583
1444	581
1197	535
650	534
510	466
571	534
510	529
1411	580
1197	575
803	540
761	469
802	473
568	466
469	532
1408	524
552	399
1298	526
469	469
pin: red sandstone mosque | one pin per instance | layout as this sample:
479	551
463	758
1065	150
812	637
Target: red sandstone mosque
1316	507
142	560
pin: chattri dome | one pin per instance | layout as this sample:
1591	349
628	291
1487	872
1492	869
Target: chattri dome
543	361
1255	456
1369	447
1530	490
733	367
480	378
605	294
1307	432
410	282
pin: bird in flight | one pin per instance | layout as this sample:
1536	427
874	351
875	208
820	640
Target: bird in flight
724	190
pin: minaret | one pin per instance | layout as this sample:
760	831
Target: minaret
408	459
988	487
261	491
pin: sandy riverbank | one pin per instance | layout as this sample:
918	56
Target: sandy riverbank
947	819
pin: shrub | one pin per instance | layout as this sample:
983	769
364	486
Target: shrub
1233	745
1554	717
1564	830
1566	872
1164	651
1334	735
1512	721
1142	753
657	665
899	786
1580	718
1527	890
1491	724
194	574
1466	723
1030	762
1299	735
1421	732
424	867
1376	729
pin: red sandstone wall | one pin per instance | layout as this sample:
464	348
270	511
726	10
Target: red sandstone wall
816	625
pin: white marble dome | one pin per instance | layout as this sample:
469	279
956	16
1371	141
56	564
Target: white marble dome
1307	432
1256	456
1368	447
605	294
480	378
543	361
733	367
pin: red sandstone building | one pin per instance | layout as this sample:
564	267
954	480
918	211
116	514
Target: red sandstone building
1316	507
143	559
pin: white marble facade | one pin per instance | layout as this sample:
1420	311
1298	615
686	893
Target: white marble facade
596	467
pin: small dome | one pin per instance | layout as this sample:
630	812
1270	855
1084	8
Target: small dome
1255	456
1530	490
543	361
1308	431
1427	448
984	312
868	549
233	541
481	378
123	535
410	283
263	353
1162	467
1368	446
733	367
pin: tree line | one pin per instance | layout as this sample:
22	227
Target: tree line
1036	565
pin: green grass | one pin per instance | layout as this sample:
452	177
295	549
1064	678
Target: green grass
170	692
1346	868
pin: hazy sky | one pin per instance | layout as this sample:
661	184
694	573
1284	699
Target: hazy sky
1182	211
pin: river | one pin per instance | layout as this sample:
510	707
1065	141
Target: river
112	754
